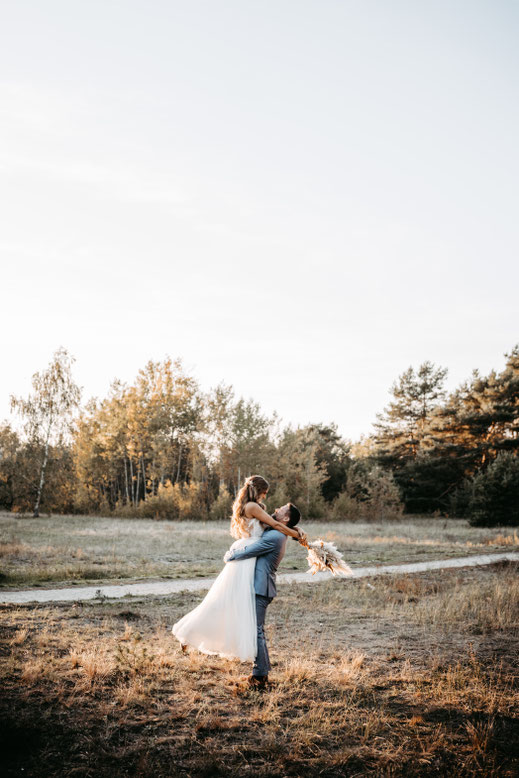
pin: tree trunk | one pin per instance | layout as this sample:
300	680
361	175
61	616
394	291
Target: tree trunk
42	476
308	486
179	461
143	477
153	478
133	481
126	481
222	474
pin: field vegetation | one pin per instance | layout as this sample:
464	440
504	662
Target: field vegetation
70	550
416	676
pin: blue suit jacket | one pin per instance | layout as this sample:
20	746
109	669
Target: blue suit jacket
269	550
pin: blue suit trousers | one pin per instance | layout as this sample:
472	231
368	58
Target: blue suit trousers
262	663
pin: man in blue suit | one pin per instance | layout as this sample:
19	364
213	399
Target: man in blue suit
269	550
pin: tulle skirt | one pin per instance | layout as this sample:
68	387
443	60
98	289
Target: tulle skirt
224	623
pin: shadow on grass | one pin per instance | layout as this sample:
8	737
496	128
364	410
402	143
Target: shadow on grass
236	731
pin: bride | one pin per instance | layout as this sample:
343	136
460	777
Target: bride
224	623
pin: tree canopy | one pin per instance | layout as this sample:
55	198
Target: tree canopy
161	447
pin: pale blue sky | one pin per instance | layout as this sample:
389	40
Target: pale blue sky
298	198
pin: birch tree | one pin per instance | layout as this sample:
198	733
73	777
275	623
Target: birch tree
48	411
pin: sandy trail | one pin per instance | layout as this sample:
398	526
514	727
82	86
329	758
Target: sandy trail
75	594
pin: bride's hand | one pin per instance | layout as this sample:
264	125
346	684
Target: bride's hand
302	535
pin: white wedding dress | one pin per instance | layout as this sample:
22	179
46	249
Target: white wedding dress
225	621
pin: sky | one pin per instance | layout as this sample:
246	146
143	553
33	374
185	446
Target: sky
301	198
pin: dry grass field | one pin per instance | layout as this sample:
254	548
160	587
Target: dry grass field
417	676
73	549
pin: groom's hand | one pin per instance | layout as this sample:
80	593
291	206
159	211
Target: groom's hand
227	555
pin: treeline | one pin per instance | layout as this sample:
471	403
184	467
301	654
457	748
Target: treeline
163	448
454	453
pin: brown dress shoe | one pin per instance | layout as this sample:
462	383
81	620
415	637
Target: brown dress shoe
259	682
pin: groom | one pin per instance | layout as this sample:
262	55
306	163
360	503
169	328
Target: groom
269	550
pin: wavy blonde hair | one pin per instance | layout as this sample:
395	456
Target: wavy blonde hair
250	492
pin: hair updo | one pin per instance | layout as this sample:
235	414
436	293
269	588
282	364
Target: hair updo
251	490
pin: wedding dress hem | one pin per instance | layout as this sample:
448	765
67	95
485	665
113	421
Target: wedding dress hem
208	652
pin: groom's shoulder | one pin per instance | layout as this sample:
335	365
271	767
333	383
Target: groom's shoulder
273	534
277	536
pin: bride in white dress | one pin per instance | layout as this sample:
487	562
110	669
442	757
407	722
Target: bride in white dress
224	623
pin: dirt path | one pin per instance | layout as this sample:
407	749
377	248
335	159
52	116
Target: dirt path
191	585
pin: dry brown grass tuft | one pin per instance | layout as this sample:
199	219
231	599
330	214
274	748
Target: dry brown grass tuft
13	549
33	671
95	664
502	540
480	735
350	667
480	607
19	637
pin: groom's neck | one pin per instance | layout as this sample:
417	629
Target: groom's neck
273	516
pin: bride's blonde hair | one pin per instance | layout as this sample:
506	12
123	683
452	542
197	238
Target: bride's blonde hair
251	490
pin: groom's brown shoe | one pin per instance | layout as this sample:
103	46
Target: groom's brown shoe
259	682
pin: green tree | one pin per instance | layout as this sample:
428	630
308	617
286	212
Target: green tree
238	438
333	454
371	494
140	436
493	494
48	412
404	440
481	417
249	444
297	471
401	430
218	405
10	446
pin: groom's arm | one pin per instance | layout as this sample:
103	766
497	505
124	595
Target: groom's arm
256	548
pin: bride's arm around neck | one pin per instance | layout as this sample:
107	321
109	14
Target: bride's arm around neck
255	511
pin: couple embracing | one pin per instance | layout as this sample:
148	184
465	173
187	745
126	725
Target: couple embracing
230	619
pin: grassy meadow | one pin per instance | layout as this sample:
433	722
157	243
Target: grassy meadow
414	677
72	550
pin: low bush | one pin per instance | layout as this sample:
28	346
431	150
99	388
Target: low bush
493	494
172	501
371	495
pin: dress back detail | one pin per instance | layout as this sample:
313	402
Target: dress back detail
255	528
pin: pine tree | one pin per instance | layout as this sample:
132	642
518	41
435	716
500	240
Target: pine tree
401	430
